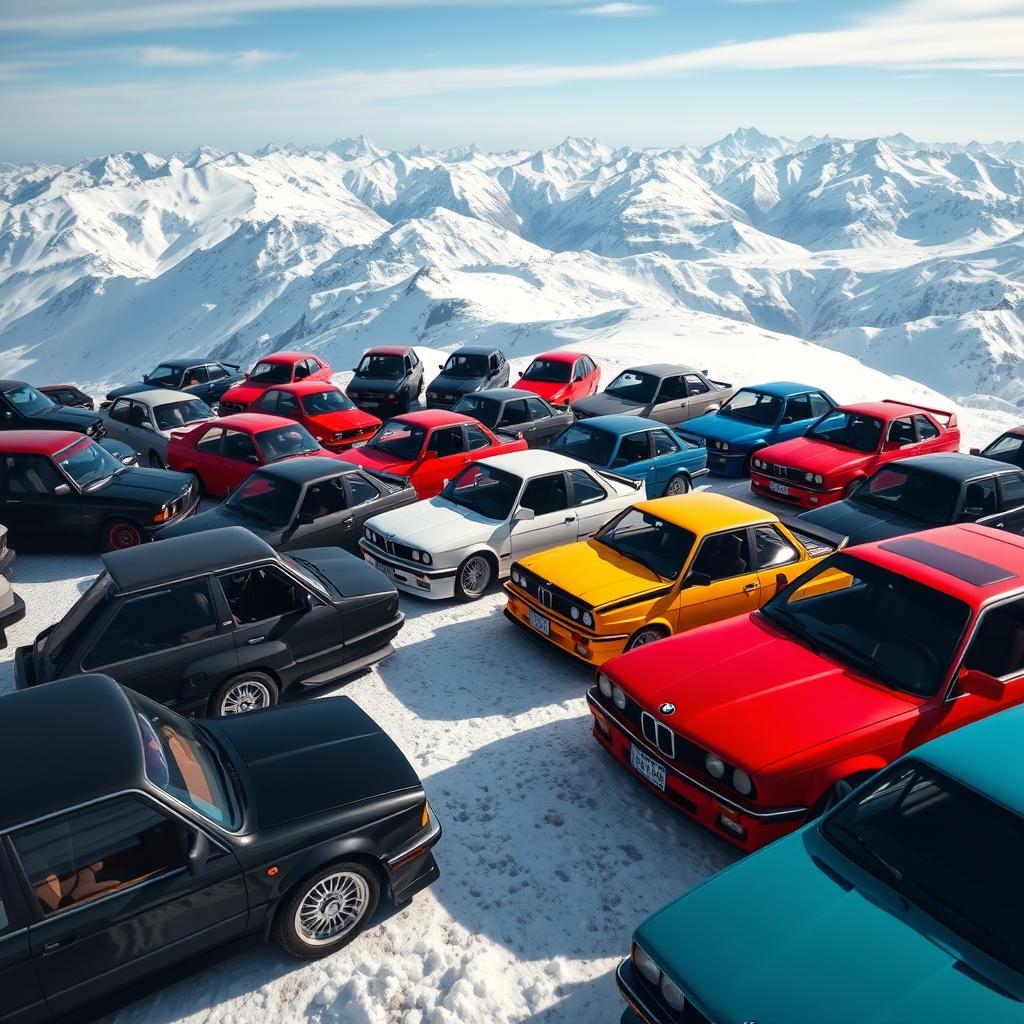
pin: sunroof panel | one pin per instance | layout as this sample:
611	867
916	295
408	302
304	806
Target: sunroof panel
953	563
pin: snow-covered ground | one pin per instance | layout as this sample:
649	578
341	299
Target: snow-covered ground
551	853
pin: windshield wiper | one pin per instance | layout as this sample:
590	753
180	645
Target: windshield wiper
890	869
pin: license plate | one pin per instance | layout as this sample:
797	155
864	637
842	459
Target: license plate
539	623
370	405
777	488
358	444
381	567
653	771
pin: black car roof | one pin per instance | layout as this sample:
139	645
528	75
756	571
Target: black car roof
502	394
301	471
664	369
66	743
185	363
475	350
7	385
180	558
956	465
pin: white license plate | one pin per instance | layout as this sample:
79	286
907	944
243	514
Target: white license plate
777	488
370	405
539	623
386	569
653	771
358	444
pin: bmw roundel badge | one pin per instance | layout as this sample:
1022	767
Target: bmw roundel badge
667	709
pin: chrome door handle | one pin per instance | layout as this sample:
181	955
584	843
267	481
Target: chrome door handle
570	519
255	640
749	587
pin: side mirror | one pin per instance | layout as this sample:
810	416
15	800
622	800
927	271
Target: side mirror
781	582
970	514
975	451
254	459
440	366
145	425
304	519
786	419
198	853
61	489
524	514
981	684
428	456
8	414
697	579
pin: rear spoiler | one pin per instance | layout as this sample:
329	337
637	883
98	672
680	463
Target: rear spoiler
724	384
943	414
389	478
231	366
635	484
796	525
506	435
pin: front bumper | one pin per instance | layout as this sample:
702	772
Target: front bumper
793	493
412	867
749	829
644	1005
6	563
728	463
434	584
582	644
24	668
355	441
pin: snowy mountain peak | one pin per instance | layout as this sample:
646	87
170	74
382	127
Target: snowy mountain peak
356	148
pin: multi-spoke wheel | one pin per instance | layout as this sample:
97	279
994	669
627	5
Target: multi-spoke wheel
328	910
121	533
250	691
679	484
644	637
474	577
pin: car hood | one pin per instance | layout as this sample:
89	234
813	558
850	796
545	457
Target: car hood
456	385
861	523
716	427
799	925
376	385
729	678
146	486
65	417
434	525
550	391
594	573
607	405
374	458
813	456
344	419
347	573
214	519
312	758
244	393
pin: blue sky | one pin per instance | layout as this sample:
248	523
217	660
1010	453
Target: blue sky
82	77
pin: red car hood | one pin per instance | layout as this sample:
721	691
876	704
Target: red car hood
243	393
344	419
372	458
548	390
746	692
814	456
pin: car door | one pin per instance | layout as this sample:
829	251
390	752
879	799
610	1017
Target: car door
1011	491
776	560
589	499
799	413
196	381
324	518
555	518
670	404
515	419
698	395
219	380
632	456
545	421
665	461
267	403
21	996
169	644
116	898
39	503
721	580
118	419
445	455
236	459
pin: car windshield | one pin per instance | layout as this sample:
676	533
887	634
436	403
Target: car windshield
917	494
944	846
265	498
323	402
28	401
163	375
184	760
180	414
271	373
552	371
283	442
753	407
890	628
481	408
634	386
1008	448
849	429
399	438
641	537
586	443
89	464
309	574
465	367
381	367
487	491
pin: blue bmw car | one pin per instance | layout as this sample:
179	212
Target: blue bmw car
756	416
637	448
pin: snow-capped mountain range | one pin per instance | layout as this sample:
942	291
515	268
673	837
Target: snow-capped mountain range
906	256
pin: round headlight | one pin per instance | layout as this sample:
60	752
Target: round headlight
715	766
427	560
604	684
588	619
808	477
415	556
646	966
725	446
515	577
574	612
758	464
619	697
672	994
741	782
818	478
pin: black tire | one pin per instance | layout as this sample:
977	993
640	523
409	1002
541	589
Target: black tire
470	581
155	461
200	489
351	877
119	534
851	487
644	636
679	484
243	694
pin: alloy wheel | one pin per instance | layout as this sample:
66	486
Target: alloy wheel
331	907
475	576
245	696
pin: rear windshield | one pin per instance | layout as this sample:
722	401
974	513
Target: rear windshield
486	410
69	631
549	370
588	444
753	407
634	386
466	367
383	367
283	442
929	498
323	402
271	373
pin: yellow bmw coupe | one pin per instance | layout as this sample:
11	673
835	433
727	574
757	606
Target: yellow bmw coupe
658	568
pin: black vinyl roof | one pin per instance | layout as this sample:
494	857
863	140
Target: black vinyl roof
502	394
66	743
180	558
301	471
187	362
10	385
954	563
475	350
955	465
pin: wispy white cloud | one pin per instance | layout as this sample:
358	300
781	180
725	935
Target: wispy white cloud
175	57
616	10
254	58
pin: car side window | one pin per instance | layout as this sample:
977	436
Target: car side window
30	474
255	595
998	644
121	411
546	494
197	375
514	413
300	371
672	389
287	405
360	490
325	498
926	430
238	446
415	358
267	402
210	441
537	409
695	386
446	441
5	920
723	555
585	489
408	365
632	448
664	443
151	623
476	438
980	498
215	371
819	404
771	548
1011	488
798	408
99	850
901	432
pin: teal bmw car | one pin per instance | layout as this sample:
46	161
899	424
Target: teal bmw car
904	904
